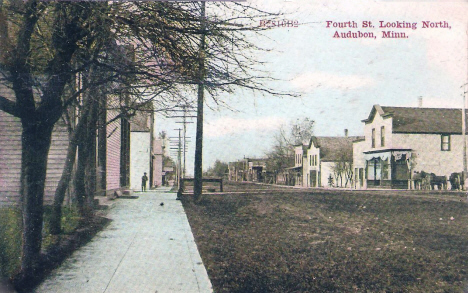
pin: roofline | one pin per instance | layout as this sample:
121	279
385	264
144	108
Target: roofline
314	139
378	109
420	132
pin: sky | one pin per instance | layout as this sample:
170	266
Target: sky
339	79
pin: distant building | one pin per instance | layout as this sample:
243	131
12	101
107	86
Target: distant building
158	155
328	162
296	172
141	148
247	169
237	171
257	169
359	164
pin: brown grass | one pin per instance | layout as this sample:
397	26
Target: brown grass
291	240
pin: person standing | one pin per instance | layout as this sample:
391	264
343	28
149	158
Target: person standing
144	179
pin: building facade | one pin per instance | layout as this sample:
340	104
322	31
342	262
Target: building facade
158	155
141	148
110	159
328	162
401	140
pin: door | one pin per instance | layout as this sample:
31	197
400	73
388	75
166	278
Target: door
313	178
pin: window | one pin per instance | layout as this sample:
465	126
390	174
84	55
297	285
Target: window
310	160
382	136
373	137
445	142
385	173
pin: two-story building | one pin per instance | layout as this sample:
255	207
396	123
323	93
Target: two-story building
141	148
300	157
328	161
402	140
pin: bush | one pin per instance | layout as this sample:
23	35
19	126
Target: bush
10	235
70	221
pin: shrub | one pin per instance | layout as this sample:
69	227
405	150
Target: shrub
10	235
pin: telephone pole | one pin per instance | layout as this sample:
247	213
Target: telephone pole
184	122
178	147
198	172
183	111
465	168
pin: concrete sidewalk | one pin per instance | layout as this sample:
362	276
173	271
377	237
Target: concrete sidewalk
147	247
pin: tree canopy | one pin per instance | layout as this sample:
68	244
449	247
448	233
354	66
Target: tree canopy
55	55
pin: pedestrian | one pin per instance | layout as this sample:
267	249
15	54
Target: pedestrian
144	179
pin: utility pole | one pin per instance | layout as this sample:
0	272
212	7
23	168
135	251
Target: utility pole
186	110
185	137
179	161
464	133
465	168
178	148
198	172
184	122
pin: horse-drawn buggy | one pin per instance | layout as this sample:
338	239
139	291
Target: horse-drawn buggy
428	181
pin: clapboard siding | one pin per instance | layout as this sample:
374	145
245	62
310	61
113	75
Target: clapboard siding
10	155
113	151
56	160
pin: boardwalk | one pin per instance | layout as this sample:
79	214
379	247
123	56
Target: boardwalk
148	247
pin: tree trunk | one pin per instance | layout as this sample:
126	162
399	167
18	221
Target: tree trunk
80	186
55	221
36	140
90	170
85	177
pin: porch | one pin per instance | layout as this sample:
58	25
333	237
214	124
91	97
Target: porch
388	168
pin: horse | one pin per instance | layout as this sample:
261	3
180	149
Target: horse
417	179
457	180
428	181
439	181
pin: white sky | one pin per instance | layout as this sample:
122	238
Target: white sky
340	79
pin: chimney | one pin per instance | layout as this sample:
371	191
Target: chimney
346	132
420	102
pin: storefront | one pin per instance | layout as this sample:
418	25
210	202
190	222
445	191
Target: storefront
388	168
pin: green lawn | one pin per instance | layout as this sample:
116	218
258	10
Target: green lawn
10	235
332	241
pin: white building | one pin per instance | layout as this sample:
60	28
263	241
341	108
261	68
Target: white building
324	154
402	140
297	172
141	141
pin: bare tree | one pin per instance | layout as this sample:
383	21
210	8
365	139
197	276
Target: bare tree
281	155
343	169
44	45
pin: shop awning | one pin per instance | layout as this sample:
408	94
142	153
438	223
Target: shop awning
385	154
294	168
